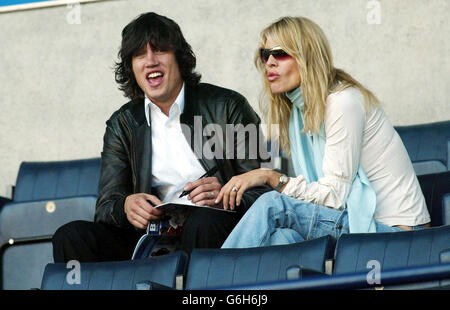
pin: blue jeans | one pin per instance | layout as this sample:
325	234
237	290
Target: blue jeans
275	219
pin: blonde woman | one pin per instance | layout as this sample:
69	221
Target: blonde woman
353	172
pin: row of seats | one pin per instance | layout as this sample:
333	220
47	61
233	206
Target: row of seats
274	265
46	196
50	194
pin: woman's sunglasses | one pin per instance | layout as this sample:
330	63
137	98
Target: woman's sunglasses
277	53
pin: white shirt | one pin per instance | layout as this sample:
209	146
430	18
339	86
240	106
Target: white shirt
354	138
173	162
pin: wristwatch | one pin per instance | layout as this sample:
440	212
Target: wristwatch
283	180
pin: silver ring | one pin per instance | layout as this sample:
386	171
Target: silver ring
211	194
234	189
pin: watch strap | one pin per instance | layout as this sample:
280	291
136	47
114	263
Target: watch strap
281	182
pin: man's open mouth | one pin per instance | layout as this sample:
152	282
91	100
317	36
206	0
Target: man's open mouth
155	78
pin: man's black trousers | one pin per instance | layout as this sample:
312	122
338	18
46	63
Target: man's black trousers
95	242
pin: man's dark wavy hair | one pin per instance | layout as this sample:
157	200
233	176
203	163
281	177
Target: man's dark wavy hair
162	34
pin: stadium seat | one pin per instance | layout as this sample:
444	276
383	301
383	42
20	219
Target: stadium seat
47	195
58	179
391	250
155	272
436	190
428	146
213	268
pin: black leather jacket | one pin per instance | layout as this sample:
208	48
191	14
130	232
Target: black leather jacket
127	150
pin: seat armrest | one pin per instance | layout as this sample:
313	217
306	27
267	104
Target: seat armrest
297	272
149	286
444	256
3	201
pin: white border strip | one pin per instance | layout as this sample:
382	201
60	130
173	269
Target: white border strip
43	4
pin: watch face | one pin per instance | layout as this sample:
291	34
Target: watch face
283	178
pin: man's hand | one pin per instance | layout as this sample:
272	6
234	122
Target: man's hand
204	191
139	212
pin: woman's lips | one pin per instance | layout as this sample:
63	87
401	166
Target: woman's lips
272	77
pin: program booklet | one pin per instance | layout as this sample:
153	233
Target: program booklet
175	214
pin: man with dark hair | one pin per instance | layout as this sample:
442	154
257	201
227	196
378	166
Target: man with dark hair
147	156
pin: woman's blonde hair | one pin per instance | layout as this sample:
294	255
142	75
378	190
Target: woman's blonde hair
306	42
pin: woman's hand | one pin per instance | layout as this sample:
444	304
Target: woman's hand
231	193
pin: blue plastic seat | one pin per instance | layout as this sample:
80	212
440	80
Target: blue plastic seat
58	179
435	188
119	275
428	146
354	252
214	268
